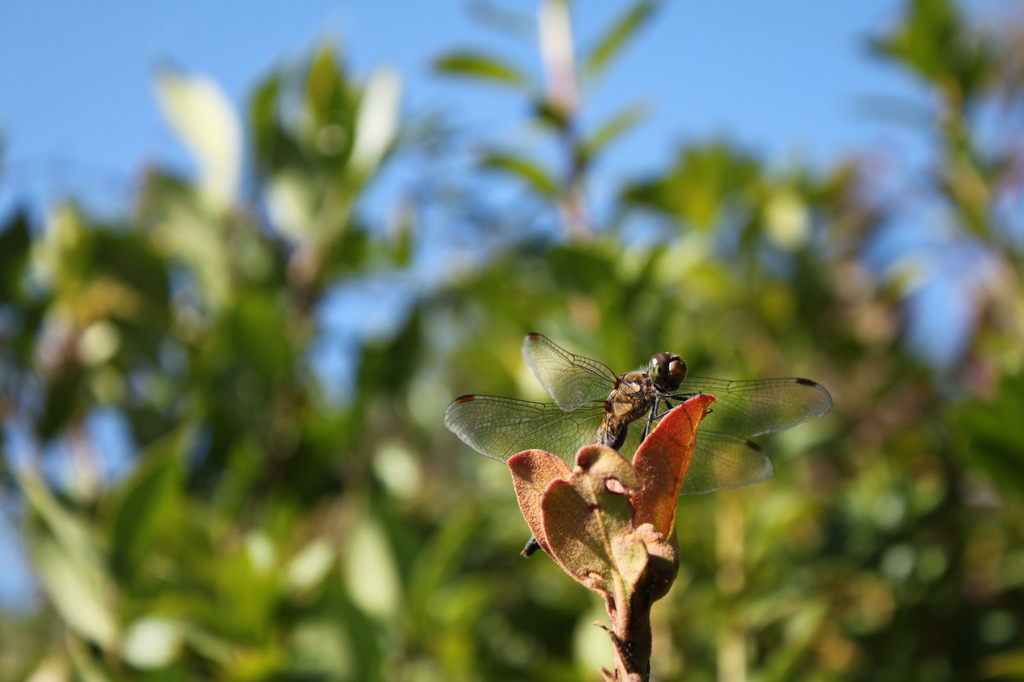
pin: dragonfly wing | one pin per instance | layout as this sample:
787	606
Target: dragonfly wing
500	427
750	408
571	380
722	461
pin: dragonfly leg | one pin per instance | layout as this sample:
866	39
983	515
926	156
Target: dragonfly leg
666	411
681	397
653	416
650	419
531	546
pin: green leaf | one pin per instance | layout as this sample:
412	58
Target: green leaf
14	250
371	573
264	130
62	401
613	128
322	650
402	234
152	642
68	529
526	170
144	499
184	230
86	664
67	561
618	34
292	204
329	97
546	114
481	67
376	120
256	331
704	181
204	118
310	566
940	45
992	434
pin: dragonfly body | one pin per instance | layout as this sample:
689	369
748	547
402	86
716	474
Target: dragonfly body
631	399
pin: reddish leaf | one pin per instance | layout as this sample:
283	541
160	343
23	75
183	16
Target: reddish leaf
532	473
661	463
573	530
588	520
662	560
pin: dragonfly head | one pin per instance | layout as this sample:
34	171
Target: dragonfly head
667	371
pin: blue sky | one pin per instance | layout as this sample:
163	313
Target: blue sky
786	79
79	116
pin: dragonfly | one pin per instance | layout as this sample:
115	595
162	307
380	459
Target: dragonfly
594	405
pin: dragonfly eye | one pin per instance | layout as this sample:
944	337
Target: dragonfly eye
667	371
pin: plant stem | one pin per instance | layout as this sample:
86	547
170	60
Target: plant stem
631	636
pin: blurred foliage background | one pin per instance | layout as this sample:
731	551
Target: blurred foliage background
285	515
